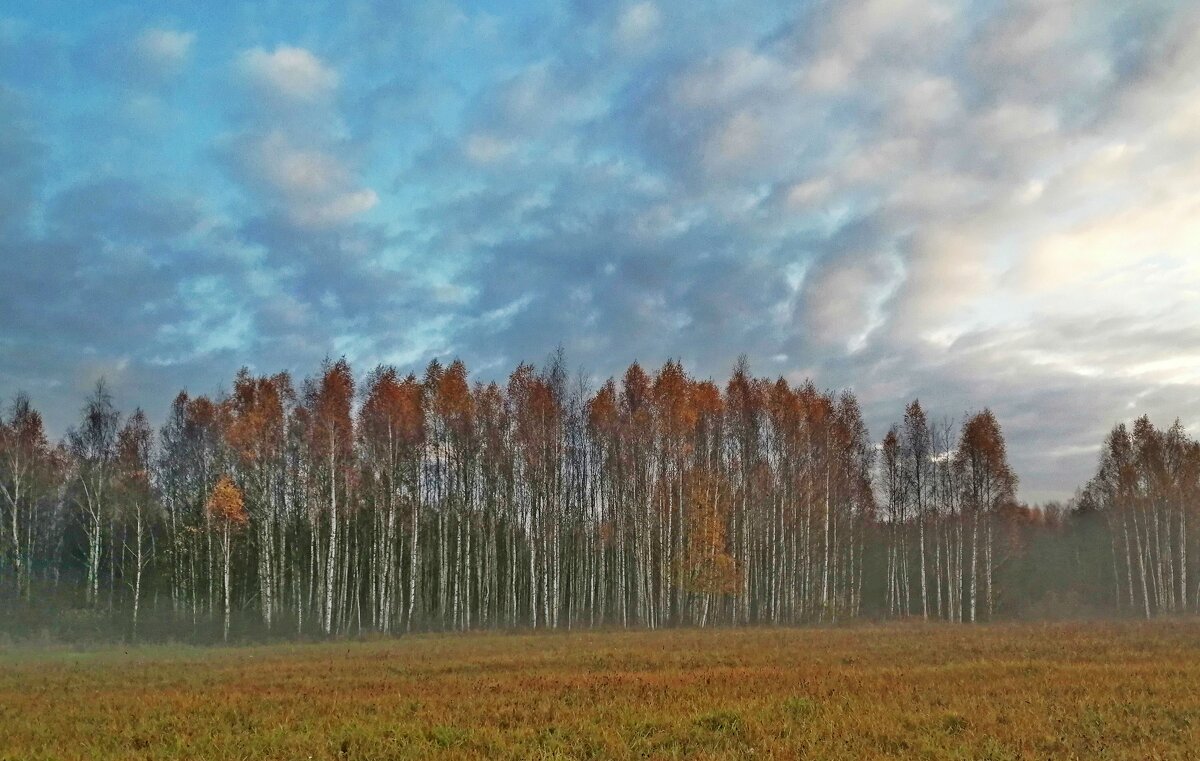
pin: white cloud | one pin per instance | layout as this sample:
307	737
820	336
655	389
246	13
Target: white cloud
299	172
727	78
315	186
1039	51
484	148
664	221
843	297
165	48
335	210
540	97
734	141
637	25
1014	124
856	35
946	272
289	73
295	152
928	102
808	192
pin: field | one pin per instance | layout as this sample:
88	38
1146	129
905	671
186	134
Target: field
1088	691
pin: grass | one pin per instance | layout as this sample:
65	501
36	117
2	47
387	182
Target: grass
1087	691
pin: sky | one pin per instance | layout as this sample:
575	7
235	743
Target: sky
974	204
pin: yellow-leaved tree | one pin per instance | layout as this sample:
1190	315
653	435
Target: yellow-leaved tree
710	570
227	508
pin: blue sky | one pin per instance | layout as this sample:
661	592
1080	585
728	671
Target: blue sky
974	203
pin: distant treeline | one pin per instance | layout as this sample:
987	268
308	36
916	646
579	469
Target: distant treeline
418	503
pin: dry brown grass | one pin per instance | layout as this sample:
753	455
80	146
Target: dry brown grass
1087	691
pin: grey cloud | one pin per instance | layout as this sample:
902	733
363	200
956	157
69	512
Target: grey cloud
118	208
22	160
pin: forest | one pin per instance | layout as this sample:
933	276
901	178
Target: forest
391	503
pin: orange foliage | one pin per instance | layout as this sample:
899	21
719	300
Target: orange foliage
603	417
255	430
635	391
327	410
226	504
452	399
673	397
393	408
707	399
538	413
709	568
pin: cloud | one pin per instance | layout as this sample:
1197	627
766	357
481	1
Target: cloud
166	49
292	152
636	25
314	187
972	204
730	78
857	38
483	148
146	59
844	293
337	209
120	209
22	156
946	272
291	171
288	74
1037	52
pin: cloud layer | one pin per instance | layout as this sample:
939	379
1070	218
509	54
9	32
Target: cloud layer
974	204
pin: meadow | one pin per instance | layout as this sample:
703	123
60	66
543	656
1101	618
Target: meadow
1011	691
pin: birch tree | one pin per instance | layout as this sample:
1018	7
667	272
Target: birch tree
93	451
28	473
227	509
988	484
137	506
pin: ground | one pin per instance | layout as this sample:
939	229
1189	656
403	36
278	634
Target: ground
1085	690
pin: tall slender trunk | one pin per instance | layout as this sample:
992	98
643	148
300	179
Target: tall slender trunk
227	553
988	557
974	560
331	555
139	565
1183	601
924	585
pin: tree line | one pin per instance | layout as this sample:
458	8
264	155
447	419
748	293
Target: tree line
395	503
